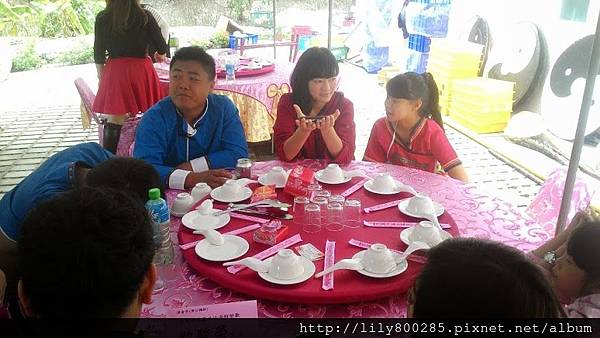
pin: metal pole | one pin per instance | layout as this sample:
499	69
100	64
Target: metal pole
580	134
330	22
274	30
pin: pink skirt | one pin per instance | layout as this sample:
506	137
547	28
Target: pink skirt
128	85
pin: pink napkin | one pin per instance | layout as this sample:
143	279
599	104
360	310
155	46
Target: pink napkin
355	187
268	252
382	206
328	262
248	218
375	224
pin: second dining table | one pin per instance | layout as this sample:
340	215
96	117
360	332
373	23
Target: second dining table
190	281
256	97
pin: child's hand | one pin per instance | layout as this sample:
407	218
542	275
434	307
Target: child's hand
328	122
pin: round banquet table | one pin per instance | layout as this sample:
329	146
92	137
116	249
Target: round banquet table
470	211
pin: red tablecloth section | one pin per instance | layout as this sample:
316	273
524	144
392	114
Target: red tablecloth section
350	286
475	213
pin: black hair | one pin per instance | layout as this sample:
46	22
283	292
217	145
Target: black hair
414	86
85	253
474	278
314	63
584	247
124	15
197	54
125	173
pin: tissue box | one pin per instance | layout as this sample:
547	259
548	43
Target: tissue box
298	181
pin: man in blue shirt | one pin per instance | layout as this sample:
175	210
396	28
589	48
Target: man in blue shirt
84	164
192	133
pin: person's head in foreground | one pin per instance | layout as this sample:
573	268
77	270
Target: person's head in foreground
314	79
86	253
473	278
192	77
577	272
412	95
128	174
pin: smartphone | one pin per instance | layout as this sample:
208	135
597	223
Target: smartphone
313	118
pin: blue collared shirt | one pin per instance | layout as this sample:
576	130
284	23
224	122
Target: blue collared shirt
54	176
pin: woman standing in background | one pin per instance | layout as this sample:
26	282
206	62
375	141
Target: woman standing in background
128	81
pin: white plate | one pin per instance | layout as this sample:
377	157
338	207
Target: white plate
405	235
309	270
319	177
402	206
262	179
244	194
400	267
234	247
369	187
196	221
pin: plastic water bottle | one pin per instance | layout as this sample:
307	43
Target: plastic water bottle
159	213
230	68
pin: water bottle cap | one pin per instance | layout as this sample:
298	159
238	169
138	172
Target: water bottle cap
154	193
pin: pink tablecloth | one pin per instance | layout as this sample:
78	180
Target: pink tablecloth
255	96
475	213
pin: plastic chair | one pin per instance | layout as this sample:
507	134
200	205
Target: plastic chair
126	141
545	207
297	32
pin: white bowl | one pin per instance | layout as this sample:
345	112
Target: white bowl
182	204
333	172
426	232
230	189
384	182
276	176
200	191
285	265
421	205
378	259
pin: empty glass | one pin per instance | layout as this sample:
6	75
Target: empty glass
322	203
312	213
313	189
323	193
300	203
335	214
352	213
337	198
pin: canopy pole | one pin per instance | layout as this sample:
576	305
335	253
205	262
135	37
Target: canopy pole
274	30
330	22
580	134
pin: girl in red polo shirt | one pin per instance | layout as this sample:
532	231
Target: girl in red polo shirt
412	133
315	120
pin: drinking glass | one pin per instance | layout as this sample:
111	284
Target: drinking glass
322	203
352	213
313	189
312	212
337	198
335	214
300	203
323	193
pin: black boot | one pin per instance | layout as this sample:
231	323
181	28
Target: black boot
111	135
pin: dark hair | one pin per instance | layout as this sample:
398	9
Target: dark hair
195	53
85	253
414	86
315	62
129	174
584	248
474	278
124	15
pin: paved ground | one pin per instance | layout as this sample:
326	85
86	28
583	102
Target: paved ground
40	116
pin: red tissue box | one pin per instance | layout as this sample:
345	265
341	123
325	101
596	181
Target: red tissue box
298	181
